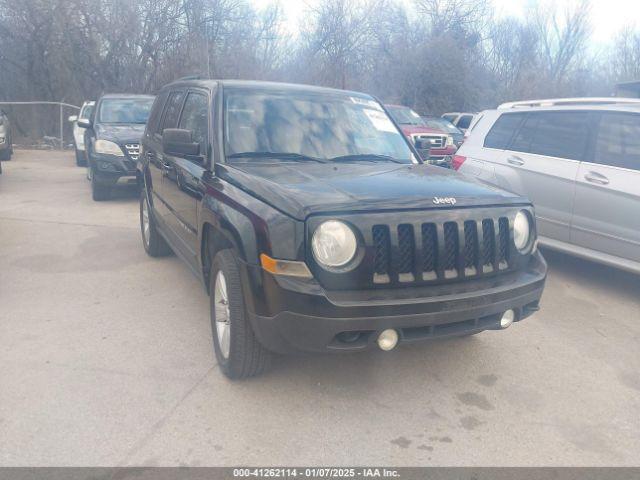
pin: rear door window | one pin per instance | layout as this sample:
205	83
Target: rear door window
503	129
522	140
618	141
559	134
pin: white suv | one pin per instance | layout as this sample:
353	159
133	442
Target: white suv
578	161
78	131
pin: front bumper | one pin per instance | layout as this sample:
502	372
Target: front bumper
108	169
292	315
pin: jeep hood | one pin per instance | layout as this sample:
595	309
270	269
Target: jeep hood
120	133
302	189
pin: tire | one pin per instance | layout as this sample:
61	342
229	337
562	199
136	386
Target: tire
99	192
154	244
239	353
5	155
80	160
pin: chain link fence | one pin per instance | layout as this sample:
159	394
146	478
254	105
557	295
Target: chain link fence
40	124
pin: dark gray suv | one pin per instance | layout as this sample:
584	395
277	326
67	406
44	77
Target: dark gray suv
112	140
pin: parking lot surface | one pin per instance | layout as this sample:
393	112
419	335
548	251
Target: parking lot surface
106	360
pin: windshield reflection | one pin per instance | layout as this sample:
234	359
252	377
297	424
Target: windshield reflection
298	125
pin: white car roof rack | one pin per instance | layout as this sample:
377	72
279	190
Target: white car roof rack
555	102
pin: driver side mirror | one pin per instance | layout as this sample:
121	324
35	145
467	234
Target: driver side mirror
84	123
179	143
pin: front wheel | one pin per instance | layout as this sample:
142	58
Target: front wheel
238	351
99	192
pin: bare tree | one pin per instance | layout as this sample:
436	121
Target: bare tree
563	38
624	58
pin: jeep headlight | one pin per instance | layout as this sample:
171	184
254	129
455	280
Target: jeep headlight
334	244
522	231
108	148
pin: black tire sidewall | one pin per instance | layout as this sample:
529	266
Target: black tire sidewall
246	356
98	192
155	245
224	261
145	241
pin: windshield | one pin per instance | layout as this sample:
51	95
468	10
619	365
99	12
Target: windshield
125	110
405	116
442	124
309	126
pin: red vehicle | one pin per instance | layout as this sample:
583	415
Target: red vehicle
435	145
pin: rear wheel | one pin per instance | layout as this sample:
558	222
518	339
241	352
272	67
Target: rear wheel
238	351
154	244
99	192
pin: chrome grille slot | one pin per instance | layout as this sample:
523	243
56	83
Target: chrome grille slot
133	150
431	141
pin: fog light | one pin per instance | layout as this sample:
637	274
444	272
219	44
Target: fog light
507	319
388	340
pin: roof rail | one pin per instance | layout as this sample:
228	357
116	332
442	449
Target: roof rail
555	102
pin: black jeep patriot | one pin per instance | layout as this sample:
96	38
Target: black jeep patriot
112	140
315	226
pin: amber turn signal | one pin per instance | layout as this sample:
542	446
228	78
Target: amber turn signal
285	267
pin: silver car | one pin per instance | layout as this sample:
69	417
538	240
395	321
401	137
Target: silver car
578	161
6	146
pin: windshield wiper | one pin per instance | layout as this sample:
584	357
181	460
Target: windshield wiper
365	157
282	155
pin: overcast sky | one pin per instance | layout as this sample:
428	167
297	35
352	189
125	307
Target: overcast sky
607	16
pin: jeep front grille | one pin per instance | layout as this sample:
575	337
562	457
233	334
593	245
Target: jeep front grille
133	150
407	253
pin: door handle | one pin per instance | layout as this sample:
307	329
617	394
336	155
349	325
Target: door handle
595	177
513	160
